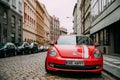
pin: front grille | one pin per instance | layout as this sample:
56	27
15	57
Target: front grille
76	67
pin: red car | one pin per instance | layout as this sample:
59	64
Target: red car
75	54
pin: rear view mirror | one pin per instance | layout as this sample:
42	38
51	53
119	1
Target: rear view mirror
96	44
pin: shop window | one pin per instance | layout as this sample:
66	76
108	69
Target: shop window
106	37
101	37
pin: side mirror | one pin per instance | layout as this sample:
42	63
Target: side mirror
96	44
51	43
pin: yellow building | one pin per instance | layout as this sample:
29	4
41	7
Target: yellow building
36	22
29	20
47	21
40	23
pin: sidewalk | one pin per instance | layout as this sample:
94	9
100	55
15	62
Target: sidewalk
112	64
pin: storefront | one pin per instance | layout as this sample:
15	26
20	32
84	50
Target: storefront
117	38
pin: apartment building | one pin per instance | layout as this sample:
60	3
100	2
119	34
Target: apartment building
46	26
77	18
85	16
105	24
63	31
40	23
10	21
29	20
54	28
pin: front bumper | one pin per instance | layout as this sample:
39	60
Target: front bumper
59	64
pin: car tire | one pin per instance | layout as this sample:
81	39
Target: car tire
5	54
98	74
15	53
23	52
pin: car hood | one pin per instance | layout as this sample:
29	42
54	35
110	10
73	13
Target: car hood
75	51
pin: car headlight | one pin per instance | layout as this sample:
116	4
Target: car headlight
97	54
52	52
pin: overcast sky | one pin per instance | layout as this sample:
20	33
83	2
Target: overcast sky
61	9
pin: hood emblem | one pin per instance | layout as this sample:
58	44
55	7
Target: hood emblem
75	54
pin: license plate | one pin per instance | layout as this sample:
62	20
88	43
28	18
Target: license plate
76	63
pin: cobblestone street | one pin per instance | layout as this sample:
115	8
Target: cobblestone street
31	67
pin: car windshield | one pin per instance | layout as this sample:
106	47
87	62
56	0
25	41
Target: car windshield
74	40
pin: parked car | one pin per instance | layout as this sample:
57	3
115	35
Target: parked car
75	54
23	48
46	47
41	48
7	49
34	47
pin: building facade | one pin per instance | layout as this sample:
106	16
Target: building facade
10	21
29	20
105	24
85	16
46	26
77	18
40	23
54	28
63	31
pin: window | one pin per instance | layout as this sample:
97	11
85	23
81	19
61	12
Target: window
0	32
5	17
13	21
14	3
19	24
101	37
97	6
13	37
20	7
100	6
106	37
95	9
19	38
104	4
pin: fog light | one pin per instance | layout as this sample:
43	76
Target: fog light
51	64
97	66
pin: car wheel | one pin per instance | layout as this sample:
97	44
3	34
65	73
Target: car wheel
5	54
15	53
98	74
23	52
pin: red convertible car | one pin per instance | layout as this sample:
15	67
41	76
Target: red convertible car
75	54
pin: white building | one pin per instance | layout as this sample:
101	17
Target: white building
77	18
